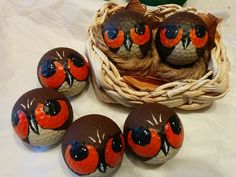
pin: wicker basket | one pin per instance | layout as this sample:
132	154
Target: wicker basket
188	94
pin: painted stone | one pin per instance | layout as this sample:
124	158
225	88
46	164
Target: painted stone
128	34
153	133
93	146
63	69
181	39
41	116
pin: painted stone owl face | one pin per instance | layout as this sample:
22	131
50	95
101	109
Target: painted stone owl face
153	133
181	39
63	69
41	116
93	146
128	34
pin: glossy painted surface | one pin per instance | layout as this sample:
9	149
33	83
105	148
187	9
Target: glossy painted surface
29	28
93	146
182	39
127	34
41	116
64	70
153	133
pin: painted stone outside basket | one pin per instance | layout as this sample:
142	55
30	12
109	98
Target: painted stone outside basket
186	94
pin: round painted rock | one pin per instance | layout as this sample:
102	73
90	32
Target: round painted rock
128	34
153	133
93	146
41	116
181	39
63	69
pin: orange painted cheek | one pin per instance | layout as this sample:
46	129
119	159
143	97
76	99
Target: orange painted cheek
112	158
52	122
22	128
140	39
147	151
79	73
198	42
170	42
175	140
114	43
85	166
56	80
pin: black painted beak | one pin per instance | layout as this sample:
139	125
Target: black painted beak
165	147
69	79
102	167
33	124
186	41
128	43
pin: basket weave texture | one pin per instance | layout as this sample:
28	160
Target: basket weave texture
187	94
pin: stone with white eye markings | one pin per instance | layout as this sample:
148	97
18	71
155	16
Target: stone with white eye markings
63	69
102	139
153	133
41	116
182	39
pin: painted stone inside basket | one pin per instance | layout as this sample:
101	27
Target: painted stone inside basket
41	116
93	146
127	34
63	69
153	133
181	39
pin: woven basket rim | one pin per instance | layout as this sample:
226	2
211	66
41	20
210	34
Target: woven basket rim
188	94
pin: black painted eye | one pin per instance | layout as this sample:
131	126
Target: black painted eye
200	31
171	32
51	114
51	107
14	118
51	73
76	59
20	123
83	159
144	142
113	37
199	36
114	150
140	29
117	143
141	136
48	68
175	125
112	32
174	132
78	151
